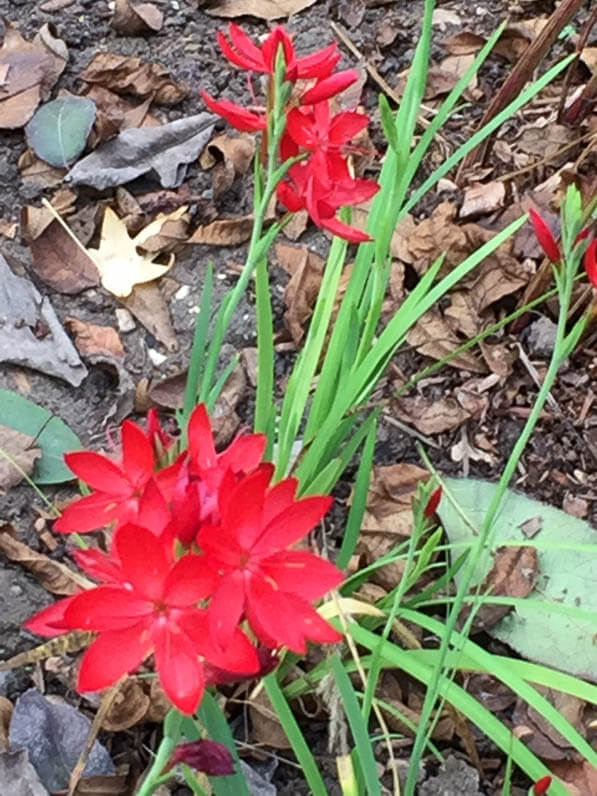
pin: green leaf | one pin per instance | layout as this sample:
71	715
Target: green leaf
388	122
58	131
555	624
51	434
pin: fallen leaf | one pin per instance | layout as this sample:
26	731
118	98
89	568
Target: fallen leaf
6	709
8	229
543	739
93	339
59	261
229	157
580	778
18	456
262	9
131	17
127	74
433	337
148	305
31	334
114	114
54	576
306	270
117	257
428	415
32	69
164	151
482	198
58	131
224	231
35	170
443	78
171	235
128	707
265	725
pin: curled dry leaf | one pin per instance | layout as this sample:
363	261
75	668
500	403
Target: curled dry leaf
430	416
265	724
229	157
53	575
126	74
163	151
224	231
306	270
18	458
93	339
31	69
33	170
148	305
542	738
482	198
514	574
579	777
433	337
128	707
133	17
262	9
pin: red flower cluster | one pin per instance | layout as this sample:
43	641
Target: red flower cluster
199	557
321	183
551	248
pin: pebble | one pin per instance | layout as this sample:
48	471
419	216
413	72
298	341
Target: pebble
182	292
156	357
126	322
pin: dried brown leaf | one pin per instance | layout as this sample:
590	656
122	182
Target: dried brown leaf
35	170
229	157
306	270
92	339
265	724
149	306
128	707
482	198
262	9
430	416
130	75
224	231
58	260
579	777
18	456
134	17
543	739
433	337
6	708
53	575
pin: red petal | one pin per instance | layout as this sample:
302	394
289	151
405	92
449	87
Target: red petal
138	458
245	46
99	472
239	656
179	669
202	452
112	655
277	37
290	197
189	581
145	563
241	517
300	127
302	573
329	87
344	231
235	115
318	64
88	513
591	262
105	608
153	511
50	621
291	524
545	237
279	497
235	57
279	619
244	453
226	608
345	126
98	564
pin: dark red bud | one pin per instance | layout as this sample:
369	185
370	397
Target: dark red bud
210	757
545	237
541	786
433	503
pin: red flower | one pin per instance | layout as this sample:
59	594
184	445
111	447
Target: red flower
210	757
541	786
590	262
152	609
328	87
322	185
241	51
545	237
433	502
157	436
258	576
316	130
117	486
238	117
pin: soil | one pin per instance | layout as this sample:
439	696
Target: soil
560	463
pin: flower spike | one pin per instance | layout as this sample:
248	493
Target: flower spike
545	237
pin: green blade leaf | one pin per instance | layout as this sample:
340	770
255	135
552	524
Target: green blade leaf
51	434
58	131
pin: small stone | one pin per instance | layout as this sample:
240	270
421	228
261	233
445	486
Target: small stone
541	336
576	506
182	292
126	322
156	357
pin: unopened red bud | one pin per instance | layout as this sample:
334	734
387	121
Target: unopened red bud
541	786
545	237
433	503
210	757
591	262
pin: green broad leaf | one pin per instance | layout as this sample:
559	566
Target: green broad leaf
58	131
388	122
51	434
555	624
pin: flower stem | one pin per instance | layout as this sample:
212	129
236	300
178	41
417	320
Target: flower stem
155	776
